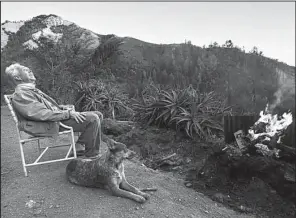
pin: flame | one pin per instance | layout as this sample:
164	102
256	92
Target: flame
274	124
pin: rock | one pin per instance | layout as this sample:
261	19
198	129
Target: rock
179	161
177	168
187	160
37	211
290	173
219	197
167	162
272	191
115	128
31	203
245	209
188	185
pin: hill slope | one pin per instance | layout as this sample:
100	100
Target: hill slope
247	80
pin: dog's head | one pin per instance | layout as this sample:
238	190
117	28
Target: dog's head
119	150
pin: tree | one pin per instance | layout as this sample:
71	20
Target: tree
214	45
228	44
254	50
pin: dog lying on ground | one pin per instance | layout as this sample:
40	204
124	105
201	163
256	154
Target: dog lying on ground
107	172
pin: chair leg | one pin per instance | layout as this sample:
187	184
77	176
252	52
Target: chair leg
100	133
23	159
39	148
73	144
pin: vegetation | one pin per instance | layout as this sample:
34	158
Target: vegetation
184	109
96	96
182	86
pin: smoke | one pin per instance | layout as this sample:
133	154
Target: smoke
278	99
286	88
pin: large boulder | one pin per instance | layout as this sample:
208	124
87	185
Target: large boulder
115	127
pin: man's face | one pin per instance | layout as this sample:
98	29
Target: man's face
26	75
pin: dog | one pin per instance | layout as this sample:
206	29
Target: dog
106	172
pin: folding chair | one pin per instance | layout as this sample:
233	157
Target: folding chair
69	130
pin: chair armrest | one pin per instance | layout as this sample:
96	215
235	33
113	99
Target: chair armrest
101	115
65	126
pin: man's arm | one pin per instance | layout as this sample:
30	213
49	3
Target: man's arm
29	107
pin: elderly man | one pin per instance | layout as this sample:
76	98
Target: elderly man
39	114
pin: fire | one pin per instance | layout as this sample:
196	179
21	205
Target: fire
274	124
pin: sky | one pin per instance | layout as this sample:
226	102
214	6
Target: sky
270	26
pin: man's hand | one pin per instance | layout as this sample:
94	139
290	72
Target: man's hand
79	117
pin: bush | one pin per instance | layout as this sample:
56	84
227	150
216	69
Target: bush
108	99
184	109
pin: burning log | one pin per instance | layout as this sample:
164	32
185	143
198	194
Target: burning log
265	137
260	153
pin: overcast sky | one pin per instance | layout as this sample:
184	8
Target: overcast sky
268	25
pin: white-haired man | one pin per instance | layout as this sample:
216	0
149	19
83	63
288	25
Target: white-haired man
39	114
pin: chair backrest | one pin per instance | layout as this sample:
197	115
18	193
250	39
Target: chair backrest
8	102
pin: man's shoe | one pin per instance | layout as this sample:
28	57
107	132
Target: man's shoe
93	156
78	153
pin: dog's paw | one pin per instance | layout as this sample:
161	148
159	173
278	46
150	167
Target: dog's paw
140	199
145	195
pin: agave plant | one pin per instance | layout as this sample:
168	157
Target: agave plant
115	100
174	101
95	95
199	123
163	107
186	109
88	95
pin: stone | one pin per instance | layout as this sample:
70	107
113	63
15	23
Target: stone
219	197
115	128
188	185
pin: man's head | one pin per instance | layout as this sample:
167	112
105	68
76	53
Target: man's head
20	74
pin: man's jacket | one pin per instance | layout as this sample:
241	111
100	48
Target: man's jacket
38	114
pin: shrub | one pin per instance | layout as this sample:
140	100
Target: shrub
185	109
96	96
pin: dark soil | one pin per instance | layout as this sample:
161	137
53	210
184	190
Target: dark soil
247	195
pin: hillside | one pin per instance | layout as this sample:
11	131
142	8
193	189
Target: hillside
59	52
185	88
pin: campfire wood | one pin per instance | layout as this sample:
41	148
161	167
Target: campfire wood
235	123
235	163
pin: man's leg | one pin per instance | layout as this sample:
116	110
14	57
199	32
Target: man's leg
90	132
101	116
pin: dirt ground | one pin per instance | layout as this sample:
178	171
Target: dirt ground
47	193
244	194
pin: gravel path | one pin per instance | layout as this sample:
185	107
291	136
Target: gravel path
47	193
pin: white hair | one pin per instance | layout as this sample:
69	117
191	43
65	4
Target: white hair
13	70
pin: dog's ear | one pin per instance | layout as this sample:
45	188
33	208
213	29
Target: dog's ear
111	144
